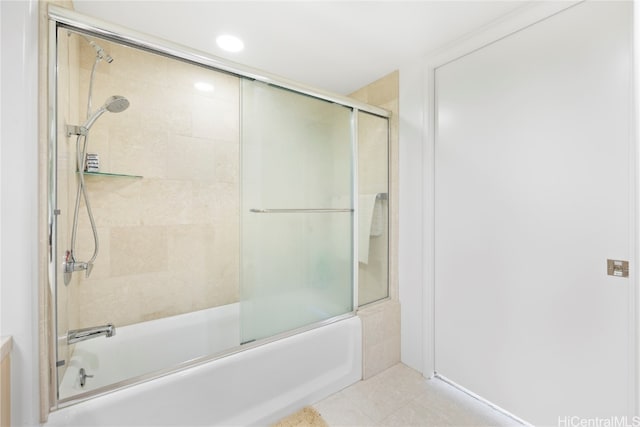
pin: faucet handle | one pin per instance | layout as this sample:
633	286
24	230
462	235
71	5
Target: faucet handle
88	268
82	375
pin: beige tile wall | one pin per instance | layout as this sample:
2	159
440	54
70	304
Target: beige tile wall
381	321
6	345
169	241
5	392
373	166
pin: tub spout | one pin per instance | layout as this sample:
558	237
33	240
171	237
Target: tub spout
78	335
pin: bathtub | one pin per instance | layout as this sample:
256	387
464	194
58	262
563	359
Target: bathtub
143	348
256	386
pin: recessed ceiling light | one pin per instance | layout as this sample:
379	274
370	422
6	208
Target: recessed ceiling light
230	43
204	87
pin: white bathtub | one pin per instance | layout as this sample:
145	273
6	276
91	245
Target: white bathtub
253	387
148	347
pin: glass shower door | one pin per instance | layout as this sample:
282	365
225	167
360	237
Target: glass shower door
297	211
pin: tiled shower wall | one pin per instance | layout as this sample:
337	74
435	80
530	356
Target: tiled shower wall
169	234
381	321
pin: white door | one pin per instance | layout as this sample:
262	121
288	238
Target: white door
534	166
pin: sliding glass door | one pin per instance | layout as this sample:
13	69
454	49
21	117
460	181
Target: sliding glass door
297	210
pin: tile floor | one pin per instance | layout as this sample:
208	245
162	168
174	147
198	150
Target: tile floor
400	396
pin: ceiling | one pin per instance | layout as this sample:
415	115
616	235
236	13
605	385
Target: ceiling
338	46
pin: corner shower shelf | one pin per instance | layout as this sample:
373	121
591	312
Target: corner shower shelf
115	175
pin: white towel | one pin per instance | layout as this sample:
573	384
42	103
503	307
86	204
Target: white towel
378	222
366	205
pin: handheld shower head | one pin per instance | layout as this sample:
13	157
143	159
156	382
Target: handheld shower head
114	104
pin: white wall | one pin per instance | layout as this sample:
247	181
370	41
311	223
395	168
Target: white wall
411	243
416	179
18	201
525	176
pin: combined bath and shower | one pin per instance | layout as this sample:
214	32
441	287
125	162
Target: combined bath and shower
114	104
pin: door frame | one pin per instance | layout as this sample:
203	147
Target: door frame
520	19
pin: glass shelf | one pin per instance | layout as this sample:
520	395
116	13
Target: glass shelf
115	175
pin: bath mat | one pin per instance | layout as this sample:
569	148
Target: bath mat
305	417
